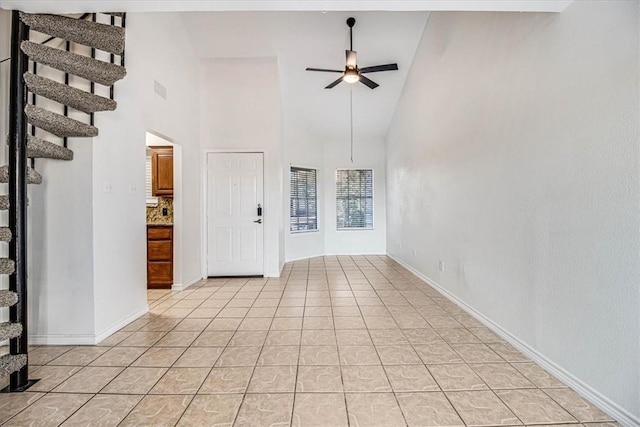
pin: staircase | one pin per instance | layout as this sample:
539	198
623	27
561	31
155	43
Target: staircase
27	56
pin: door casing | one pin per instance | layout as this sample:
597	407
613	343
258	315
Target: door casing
203	226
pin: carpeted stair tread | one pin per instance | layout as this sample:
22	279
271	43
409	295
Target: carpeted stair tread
7	266
8	298
33	177
4	202
10	330
97	71
40	149
58	124
67	95
5	234
109	38
11	362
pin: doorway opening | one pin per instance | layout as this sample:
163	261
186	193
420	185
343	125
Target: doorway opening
163	209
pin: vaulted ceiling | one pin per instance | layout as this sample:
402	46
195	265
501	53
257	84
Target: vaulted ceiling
310	33
315	39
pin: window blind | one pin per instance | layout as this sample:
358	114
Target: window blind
303	205
148	177
354	198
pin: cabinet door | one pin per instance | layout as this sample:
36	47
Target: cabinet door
159	251
159	273
162	171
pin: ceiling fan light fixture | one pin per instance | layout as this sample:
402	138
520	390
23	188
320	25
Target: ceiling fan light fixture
351	76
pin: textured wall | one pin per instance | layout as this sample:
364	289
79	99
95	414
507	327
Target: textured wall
240	112
513	158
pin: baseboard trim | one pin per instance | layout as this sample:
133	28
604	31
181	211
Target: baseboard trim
61	339
376	253
181	287
301	259
336	254
620	414
85	339
121	324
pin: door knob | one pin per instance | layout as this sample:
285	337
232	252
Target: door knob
258	221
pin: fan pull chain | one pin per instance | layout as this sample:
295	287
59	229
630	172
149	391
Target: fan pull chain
351	118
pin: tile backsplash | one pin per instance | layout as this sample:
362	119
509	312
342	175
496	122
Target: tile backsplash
154	213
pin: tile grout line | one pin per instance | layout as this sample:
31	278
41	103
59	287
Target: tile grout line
395	397
444	393
304	308
246	390
370	270
147	394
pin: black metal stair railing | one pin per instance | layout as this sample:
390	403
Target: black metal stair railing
18	157
19	380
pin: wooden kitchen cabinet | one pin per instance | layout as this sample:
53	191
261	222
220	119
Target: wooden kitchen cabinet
159	256
162	171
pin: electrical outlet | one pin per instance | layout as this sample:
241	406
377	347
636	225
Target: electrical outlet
441	266
132	189
107	187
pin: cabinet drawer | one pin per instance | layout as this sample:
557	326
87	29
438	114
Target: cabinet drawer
159	251
159	273
159	233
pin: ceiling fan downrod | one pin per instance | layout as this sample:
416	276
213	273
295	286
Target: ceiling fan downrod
350	23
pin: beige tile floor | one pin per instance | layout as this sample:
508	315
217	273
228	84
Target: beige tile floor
335	341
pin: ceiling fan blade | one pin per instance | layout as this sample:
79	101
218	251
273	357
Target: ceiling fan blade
325	70
335	83
369	83
377	68
352	58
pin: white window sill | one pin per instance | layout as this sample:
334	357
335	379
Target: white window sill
355	229
302	232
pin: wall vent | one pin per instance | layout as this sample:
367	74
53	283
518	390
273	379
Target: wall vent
159	89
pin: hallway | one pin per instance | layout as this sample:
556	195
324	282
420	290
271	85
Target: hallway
335	341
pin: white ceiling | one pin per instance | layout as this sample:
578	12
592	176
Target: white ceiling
66	6
315	39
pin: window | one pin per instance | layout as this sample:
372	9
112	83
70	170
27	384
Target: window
151	200
303	206
354	198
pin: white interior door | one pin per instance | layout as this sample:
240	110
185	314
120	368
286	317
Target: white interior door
234	230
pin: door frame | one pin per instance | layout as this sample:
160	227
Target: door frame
204	224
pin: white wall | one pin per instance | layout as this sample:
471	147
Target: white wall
513	158
240	110
158	48
301	151
61	294
307	149
368	154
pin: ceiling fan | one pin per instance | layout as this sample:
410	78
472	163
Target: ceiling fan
353	74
